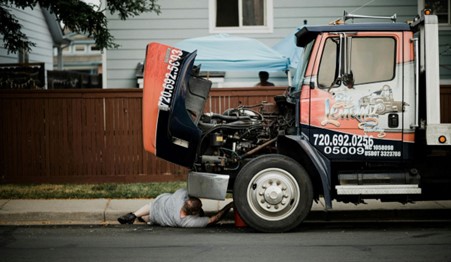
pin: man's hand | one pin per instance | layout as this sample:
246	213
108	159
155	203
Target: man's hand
220	214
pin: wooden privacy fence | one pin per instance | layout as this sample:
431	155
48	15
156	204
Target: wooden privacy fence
90	136
95	136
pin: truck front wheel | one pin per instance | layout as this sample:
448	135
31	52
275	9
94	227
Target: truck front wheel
273	193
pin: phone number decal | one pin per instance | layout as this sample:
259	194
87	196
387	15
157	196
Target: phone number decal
340	144
173	62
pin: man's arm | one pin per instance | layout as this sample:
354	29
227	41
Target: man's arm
220	214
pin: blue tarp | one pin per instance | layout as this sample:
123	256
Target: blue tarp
287	47
231	53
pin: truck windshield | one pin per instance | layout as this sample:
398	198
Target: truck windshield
299	75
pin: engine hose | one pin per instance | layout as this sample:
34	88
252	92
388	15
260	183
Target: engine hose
230	118
250	152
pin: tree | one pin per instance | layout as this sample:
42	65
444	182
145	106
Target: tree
77	15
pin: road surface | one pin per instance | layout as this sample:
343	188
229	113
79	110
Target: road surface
313	241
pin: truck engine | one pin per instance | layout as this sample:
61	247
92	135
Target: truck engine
230	138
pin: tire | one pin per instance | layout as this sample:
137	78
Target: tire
273	193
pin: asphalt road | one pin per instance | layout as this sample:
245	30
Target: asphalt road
314	241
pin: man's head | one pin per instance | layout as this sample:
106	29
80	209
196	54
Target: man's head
264	76
192	206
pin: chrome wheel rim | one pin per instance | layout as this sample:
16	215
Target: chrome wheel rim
273	194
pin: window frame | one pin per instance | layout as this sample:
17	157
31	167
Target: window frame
267	28
94	49
79	51
393	76
395	54
321	60
445	25
300	74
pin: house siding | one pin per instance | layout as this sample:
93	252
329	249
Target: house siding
35	27
188	18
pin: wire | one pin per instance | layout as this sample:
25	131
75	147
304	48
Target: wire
357	9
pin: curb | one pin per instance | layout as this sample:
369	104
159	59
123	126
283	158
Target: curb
106	211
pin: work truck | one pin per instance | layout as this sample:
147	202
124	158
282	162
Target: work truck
360	120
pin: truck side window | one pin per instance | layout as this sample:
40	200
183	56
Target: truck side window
373	59
328	67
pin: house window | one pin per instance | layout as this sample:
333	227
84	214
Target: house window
94	48
440	8
80	48
241	16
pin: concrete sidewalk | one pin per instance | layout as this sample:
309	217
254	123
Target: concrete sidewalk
106	211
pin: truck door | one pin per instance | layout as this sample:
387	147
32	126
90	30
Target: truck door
357	99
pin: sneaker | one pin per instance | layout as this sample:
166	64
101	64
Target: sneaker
127	219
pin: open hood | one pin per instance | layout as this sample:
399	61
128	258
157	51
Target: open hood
173	101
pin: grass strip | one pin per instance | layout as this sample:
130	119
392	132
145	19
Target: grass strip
86	191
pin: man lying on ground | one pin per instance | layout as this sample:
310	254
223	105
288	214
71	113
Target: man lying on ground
174	210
